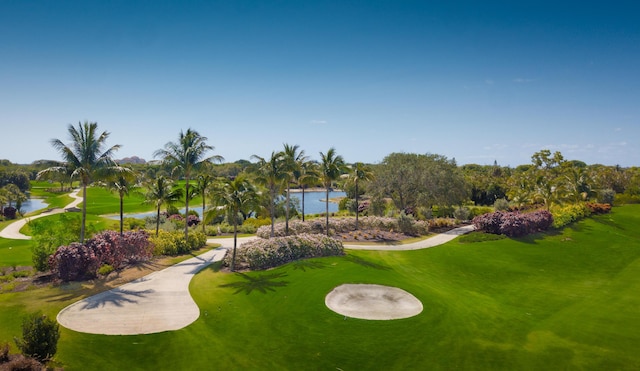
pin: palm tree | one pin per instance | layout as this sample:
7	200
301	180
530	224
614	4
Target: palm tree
87	156
309	177
331	167
122	182
271	174
202	188
237	195
359	172
187	155
160	191
292	161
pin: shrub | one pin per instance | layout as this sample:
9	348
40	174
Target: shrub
39	337
10	212
596	208
406	223
462	213
501	204
4	353
105	269
514	224
567	214
257	222
173	243
607	196
269	253
74	262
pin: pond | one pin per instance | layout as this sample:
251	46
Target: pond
313	204
33	204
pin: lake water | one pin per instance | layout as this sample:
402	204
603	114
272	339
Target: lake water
313	204
33	204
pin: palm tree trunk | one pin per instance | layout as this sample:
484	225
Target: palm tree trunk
84	212
357	206
286	216
186	213
121	216
272	211
203	207
326	204
235	242
303	203
158	221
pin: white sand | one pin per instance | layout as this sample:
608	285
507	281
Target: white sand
374	302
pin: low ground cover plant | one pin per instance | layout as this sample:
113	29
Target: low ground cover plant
268	253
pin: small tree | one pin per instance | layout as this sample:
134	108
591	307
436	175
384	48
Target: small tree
39	337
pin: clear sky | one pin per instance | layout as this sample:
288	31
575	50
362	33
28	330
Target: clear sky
477	81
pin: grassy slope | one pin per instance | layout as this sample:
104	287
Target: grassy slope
563	301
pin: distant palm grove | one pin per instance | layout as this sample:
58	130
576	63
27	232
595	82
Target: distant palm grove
423	186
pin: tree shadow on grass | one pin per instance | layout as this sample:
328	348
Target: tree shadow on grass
262	283
365	263
305	264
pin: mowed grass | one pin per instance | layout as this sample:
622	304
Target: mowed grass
474	298
567	300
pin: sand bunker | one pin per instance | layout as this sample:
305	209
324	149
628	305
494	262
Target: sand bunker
373	302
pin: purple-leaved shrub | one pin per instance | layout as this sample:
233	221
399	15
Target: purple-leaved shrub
514	224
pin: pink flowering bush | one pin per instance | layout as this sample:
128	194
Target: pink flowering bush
77	261
268	253
74	262
343	225
514	224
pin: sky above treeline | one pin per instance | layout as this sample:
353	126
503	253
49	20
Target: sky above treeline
475	81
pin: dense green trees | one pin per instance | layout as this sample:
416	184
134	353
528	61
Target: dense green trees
413	181
271	174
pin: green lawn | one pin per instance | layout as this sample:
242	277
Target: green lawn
566	300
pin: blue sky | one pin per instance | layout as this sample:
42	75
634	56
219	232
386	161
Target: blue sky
474	81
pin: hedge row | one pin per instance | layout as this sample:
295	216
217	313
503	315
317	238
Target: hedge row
514	224
342	225
268	253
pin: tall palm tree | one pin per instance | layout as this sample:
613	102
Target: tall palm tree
292	161
272	175
122	182
331	167
87	156
236	196
203	185
309	177
359	173
160	191
187	155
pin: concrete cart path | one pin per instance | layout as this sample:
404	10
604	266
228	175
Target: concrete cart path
154	303
12	231
436	240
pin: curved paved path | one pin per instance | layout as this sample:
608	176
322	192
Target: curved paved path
161	301
154	303
12	231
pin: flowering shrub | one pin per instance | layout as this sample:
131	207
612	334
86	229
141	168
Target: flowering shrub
567	214
597	208
192	220
269	253
173	243
74	262
342	225
77	261
514	224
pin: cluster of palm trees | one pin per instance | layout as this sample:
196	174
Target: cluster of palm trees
88	159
